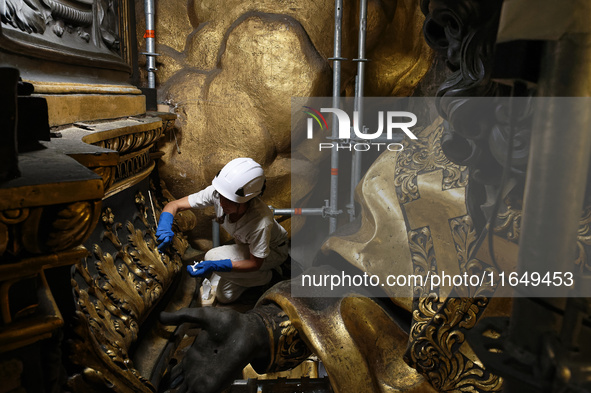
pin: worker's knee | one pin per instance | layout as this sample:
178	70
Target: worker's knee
214	254
234	252
228	292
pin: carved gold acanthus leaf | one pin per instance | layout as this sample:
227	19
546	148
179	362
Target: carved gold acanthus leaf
435	353
114	292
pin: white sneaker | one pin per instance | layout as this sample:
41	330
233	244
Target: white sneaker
208	289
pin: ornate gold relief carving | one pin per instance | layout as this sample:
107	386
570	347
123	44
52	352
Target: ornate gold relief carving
423	155
436	355
132	138
140	203
442	238
423	258
107	173
73	224
132	164
508	223
133	141
438	330
47	229
88	32
8	220
285	342
126	142
291	348
111	228
466	242
114	292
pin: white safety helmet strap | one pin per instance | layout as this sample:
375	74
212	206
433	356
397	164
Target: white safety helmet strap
240	180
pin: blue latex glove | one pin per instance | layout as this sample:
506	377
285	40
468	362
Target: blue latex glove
164	233
204	268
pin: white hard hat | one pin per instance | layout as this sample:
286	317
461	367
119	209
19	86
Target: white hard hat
240	180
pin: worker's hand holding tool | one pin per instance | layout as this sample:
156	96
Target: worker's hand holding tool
204	268
164	233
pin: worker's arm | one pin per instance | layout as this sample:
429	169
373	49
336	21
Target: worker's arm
177	205
248	265
164	232
225	265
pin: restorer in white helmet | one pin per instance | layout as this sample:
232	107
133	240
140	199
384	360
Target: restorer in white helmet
260	242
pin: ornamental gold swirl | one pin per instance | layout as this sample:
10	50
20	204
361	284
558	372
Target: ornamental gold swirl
435	353
422	155
465	239
423	259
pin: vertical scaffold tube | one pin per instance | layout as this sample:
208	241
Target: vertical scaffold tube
356	161
336	92
150	43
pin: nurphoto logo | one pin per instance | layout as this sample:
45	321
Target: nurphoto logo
395	120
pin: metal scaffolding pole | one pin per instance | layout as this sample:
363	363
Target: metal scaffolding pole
336	92
330	210
359	89
150	43
313	211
